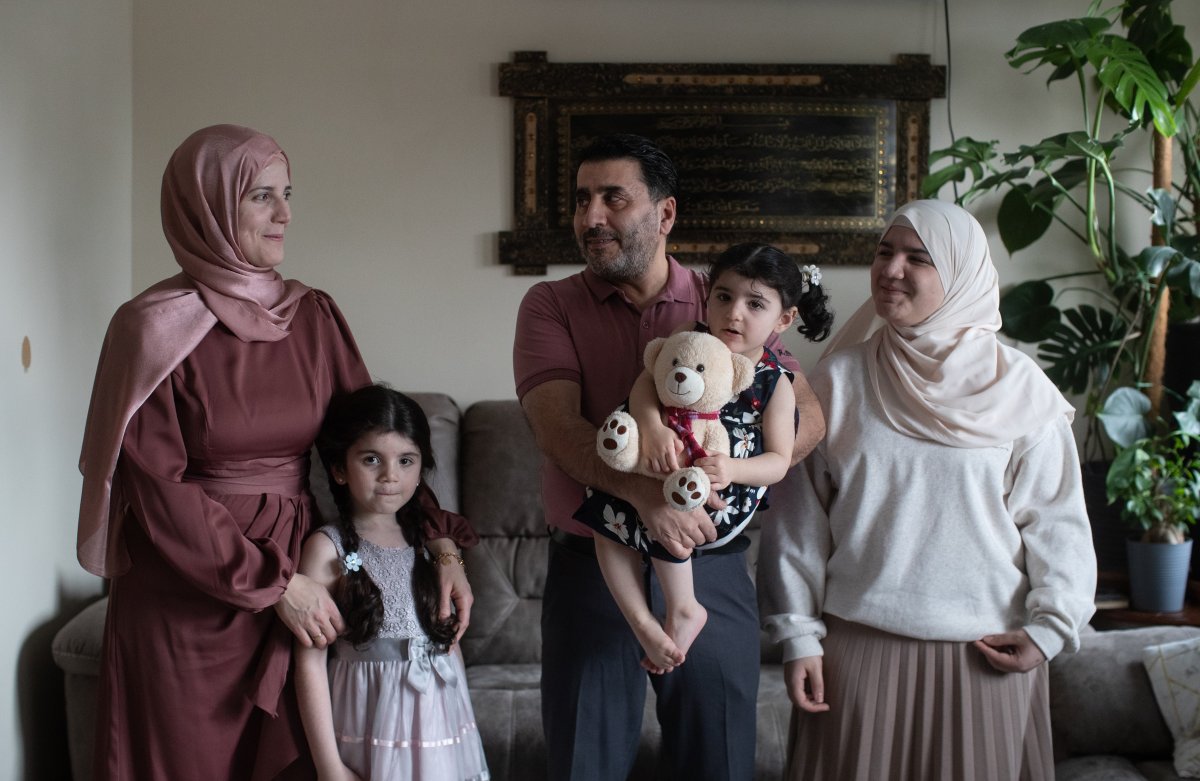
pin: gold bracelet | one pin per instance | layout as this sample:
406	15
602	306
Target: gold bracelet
445	557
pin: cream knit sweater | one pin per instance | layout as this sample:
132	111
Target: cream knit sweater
924	540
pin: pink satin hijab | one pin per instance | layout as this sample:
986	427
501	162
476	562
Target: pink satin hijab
949	379
149	336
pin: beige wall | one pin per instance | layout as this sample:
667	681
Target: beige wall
402	165
66	118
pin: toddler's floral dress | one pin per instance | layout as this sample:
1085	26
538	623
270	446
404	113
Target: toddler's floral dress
742	418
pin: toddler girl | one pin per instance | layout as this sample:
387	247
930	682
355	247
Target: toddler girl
391	702
756	291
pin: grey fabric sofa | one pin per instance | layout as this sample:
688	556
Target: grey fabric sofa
1106	723
488	469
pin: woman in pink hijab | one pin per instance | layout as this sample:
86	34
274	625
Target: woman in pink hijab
942	552
210	390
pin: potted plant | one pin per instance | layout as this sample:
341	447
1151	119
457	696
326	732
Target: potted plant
1155	480
1100	330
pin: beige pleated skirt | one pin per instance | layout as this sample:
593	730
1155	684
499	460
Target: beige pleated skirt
918	710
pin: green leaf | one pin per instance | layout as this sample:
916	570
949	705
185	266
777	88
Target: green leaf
936	180
1060	44
1100	151
1133	84
1081	347
1188	84
995	182
1185	276
1065	146
1027	313
1122	471
1124	416
1163	217
1188	418
1049	190
1164	43
966	156
1152	260
1188	424
1021	222
1063	33
966	148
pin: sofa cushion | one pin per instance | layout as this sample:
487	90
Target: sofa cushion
507	577
510	723
1158	770
501	471
774	722
444	417
505	676
501	495
1100	697
1097	768
1174	672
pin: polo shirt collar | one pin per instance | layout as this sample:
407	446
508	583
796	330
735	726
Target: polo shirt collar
678	288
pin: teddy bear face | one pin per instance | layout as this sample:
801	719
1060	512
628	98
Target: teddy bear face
697	371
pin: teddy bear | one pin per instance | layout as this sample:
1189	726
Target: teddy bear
695	375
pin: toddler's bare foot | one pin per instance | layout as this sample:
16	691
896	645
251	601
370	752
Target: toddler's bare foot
662	655
684	623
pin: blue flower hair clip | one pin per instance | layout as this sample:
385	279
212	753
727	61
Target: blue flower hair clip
812	275
352	562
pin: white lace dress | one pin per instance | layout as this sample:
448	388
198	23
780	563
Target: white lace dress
399	711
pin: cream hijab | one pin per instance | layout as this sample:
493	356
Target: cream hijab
949	379
150	335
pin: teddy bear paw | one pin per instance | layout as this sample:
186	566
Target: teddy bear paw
612	440
686	489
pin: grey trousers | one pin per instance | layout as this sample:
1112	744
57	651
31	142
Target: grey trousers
594	689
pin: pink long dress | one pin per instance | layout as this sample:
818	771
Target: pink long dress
194	683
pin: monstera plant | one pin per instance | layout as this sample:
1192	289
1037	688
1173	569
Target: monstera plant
1101	327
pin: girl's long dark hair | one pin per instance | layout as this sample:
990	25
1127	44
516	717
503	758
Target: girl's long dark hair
368	410
776	269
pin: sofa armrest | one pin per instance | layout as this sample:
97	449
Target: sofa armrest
76	650
76	647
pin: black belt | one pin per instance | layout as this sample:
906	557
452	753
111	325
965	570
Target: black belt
578	543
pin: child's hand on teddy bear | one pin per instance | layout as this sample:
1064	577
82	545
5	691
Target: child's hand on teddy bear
719	468
660	449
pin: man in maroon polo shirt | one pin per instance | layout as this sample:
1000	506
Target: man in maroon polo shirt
578	349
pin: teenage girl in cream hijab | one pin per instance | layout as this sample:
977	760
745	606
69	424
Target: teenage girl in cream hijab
942	553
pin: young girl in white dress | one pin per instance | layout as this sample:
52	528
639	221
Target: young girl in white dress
390	701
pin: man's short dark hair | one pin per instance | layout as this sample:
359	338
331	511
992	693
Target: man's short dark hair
658	172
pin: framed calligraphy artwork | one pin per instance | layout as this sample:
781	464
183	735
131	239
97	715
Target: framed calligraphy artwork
811	158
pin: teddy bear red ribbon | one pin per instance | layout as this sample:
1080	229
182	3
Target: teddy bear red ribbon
680	421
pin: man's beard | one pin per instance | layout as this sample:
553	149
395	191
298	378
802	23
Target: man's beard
637	248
